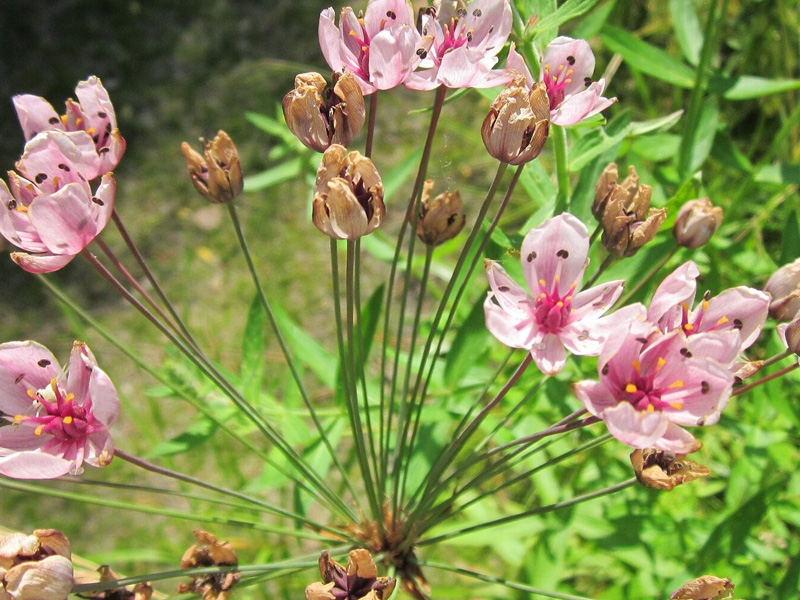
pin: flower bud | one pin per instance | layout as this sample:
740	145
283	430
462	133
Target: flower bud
696	223
210	553
603	188
707	587
662	470
217	174
441	219
784	287
35	567
319	118
348	195
518	122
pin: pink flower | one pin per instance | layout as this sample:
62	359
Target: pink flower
566	70
556	316
50	211
650	384
381	49
58	422
741	309
93	114
465	47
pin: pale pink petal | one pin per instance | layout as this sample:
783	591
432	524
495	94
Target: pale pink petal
422	81
99	449
52	159
635	428
349	43
722	346
514	329
33	465
549	354
743	308
90	159
112	153
597	300
704	390
35	115
677	440
392	54
64	219
24	366
463	67
41	263
516	63
490	22
81	364
102	206
96	106
579	106
588	333
594	396
329	39
105	401
21	437
15	225
678	287
567	53
556	249
381	14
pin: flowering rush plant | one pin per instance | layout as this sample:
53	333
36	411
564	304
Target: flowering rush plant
521	340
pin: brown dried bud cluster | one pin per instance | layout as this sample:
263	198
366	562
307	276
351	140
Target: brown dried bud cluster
518	122
210	553
320	117
707	587
784	287
35	567
217	174
141	591
663	470
440	219
623	208
696	223
358	581
348	195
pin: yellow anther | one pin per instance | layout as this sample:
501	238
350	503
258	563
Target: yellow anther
676	384
547	67
685	306
568	80
91	131
650	408
560	67
69	397
637	365
38	430
555	78
570	71
542	282
631	388
660	364
542	295
33	395
20	418
676	405
705	304
21	208
67	420
64	119
688	327
560	304
78	122
722	320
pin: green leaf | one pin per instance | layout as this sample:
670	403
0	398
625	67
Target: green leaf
468	345
647	58
655	125
790	247
658	148
194	436
274	175
567	11
687	29
399	174
595	143
780	174
370	315
703	139
274	127
748	87
591	25
253	344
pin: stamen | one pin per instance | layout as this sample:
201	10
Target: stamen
67	420
650	408
38	430
631	388
64	119
20	418
722	320
688	327
33	395
637	365
22	209
705	305
676	405
675	384
660	364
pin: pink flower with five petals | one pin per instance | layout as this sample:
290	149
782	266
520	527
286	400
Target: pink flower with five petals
50	211
381	49
465	47
650	384
58	422
93	114
566	71
557	316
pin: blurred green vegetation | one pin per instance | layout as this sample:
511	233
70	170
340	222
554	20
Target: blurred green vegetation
179	70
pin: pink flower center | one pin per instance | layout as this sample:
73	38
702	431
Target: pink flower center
556	81
641	391
362	38
58	415
551	310
455	35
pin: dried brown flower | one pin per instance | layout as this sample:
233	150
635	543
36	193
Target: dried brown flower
784	286
358	581
662	470
210	553
217	174
141	591
440	219
696	223
35	567
707	587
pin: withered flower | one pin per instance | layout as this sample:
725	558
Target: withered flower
141	591
210	553
604	186
696	223
440	219
662	470
745	370
320	117
627	219
217	174
792	335
784	286
35	567
358	581
348	195
518	122
707	587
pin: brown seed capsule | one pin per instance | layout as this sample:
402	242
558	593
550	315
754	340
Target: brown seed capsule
210	553
518	122
358	581
696	223
707	587
784	287
603	188
348	195
319	118
662	470
440	219
35	567
217	174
